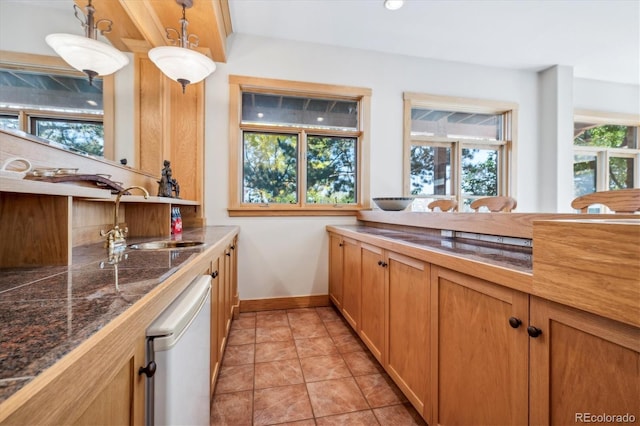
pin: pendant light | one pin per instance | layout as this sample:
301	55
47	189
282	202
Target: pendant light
87	54
179	62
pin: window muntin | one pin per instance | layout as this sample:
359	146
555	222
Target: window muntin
457	148
331	159
606	153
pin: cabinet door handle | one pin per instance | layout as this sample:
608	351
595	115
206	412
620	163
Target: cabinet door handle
340	245
534	331
383	264
233	247
149	370
514	322
379	262
227	253
214	274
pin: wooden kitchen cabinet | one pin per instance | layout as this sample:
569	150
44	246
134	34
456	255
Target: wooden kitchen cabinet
335	270
373	313
216	359
409	331
480	351
351	277
582	364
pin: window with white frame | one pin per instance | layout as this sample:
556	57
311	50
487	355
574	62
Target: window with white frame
606	153
456	148
297	148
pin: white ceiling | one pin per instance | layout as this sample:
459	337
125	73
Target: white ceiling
600	39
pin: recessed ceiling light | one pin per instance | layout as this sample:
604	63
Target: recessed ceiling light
393	4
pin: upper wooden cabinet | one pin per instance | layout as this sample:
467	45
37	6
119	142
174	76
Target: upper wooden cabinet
139	25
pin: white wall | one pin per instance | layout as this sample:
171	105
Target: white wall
288	256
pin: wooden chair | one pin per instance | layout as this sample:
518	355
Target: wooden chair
618	200
443	205
495	204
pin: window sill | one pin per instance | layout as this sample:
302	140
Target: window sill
274	210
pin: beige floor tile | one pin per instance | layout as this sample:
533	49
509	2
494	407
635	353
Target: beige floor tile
324	368
398	415
278	373
337	396
244	322
328	313
358	418
337	327
361	363
315	346
379	390
305	330
348	343
238	355
241	336
281	404
273	334
234	378
232	409
275	351
272	319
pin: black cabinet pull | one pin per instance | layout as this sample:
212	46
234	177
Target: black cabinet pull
233	247
149	370
214	274
383	264
340	245
379	262
534	331
228	253
514	322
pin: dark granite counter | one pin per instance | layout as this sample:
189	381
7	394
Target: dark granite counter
46	312
504	264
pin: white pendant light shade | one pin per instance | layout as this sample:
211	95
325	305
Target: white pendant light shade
86	54
181	64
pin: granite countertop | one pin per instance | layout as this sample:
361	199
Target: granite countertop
500	255
45	312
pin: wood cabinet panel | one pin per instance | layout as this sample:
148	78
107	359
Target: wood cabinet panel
335	270
216	360
374	300
150	103
351	282
582	363
409	331
480	362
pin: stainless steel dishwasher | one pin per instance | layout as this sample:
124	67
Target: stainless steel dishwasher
178	342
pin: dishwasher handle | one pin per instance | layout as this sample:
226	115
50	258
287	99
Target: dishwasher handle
149	370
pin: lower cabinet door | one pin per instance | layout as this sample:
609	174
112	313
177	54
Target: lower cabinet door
409	331
372	312
480	351
351	290
584	368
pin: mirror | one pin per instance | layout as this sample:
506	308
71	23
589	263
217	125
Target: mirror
28	61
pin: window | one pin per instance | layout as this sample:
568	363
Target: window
606	153
297	148
40	96
456	148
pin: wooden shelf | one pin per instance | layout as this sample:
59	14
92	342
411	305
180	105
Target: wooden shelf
152	200
23	186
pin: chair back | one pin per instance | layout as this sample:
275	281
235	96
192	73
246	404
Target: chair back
617	200
443	205
495	204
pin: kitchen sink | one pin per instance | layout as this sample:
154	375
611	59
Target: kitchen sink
165	245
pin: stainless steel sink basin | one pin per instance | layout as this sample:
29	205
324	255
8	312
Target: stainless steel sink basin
165	245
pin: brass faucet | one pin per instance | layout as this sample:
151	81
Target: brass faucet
115	236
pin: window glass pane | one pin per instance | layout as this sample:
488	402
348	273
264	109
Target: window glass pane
464	125
607	135
331	170
430	170
270	164
21	89
9	122
620	172
585	174
80	136
479	172
274	109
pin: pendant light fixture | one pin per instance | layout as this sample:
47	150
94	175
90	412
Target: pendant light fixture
87	54
179	62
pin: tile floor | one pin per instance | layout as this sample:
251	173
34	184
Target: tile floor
303	367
